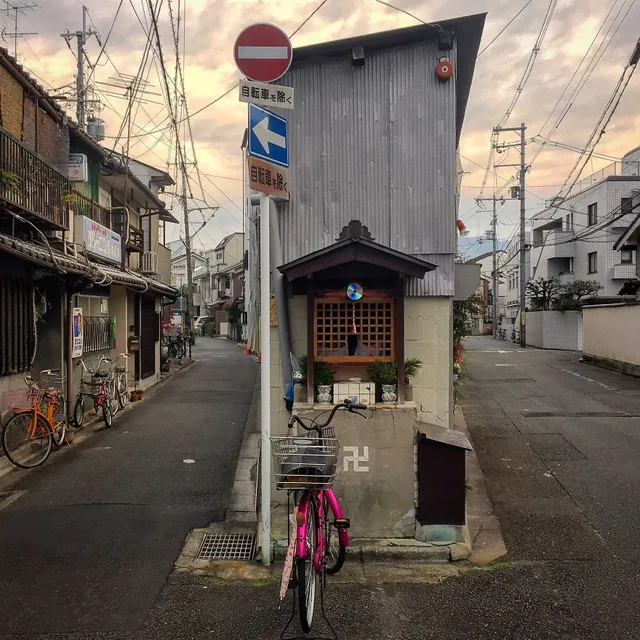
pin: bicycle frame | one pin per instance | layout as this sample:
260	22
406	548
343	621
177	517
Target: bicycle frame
301	528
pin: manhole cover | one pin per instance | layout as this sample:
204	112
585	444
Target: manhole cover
227	546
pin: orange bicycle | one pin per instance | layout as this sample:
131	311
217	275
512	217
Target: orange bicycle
38	423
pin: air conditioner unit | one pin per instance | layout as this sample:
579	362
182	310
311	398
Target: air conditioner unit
149	262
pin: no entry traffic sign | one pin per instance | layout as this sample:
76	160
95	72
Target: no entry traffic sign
263	52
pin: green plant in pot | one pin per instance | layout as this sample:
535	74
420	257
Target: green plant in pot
385	374
323	377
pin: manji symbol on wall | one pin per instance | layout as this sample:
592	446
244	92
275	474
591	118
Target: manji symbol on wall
351	456
268	178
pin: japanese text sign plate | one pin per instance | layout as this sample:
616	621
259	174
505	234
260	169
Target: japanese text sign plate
268	178
266	94
267	136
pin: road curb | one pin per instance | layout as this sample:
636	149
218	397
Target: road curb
244	494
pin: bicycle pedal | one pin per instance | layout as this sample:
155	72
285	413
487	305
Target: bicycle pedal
342	523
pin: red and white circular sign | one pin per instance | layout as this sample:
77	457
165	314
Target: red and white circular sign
263	52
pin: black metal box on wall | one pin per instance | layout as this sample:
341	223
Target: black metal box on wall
134	344
441	475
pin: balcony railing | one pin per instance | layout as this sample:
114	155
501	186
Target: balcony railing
136	240
31	185
623	271
83	206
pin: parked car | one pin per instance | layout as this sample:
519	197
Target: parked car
198	325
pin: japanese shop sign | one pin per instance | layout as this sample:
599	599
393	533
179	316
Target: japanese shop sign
100	241
268	178
78	333
267	136
266	94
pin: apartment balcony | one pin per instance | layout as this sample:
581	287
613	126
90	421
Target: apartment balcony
565	277
135	240
82	206
626	271
559	244
32	187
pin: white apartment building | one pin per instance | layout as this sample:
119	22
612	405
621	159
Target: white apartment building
510	273
563	245
215	276
179	263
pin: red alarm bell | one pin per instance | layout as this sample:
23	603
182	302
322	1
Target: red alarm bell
444	69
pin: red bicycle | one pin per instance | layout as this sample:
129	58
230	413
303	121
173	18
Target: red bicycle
306	467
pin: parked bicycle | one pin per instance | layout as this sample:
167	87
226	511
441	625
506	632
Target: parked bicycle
122	383
39	421
101	387
176	346
306	467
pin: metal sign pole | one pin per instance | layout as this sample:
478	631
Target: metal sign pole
265	380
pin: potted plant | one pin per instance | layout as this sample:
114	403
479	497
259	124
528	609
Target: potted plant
385	374
323	375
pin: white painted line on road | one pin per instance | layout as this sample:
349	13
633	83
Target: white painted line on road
577	375
189	461
499	351
506	365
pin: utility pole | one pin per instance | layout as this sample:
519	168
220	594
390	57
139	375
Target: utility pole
519	193
81	38
495	280
187	250
13	10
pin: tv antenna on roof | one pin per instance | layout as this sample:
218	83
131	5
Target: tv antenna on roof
14	10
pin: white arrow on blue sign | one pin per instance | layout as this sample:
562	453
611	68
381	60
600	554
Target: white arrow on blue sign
268	136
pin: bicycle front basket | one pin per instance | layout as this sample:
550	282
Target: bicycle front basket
303	462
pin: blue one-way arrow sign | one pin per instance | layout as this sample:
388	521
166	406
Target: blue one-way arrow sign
268	136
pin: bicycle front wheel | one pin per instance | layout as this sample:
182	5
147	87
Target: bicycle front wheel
123	395
27	439
334	549
306	572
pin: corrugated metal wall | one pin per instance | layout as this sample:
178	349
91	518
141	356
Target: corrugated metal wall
374	143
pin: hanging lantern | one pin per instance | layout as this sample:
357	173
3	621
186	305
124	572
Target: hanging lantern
461	228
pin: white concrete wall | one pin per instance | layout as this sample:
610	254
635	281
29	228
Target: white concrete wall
611	331
555	330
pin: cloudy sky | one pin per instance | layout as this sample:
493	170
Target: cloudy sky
212	25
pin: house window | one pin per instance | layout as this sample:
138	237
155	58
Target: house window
626	256
592	214
593	262
626	205
354	331
219	256
16	326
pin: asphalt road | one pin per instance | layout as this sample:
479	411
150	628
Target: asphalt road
90	545
558	443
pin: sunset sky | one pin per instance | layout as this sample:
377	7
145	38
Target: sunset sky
212	25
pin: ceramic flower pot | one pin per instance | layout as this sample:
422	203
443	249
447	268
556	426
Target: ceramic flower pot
389	393
324	394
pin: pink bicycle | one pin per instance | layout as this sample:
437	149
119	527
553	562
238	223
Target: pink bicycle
306	468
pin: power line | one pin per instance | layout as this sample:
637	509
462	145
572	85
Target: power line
506	26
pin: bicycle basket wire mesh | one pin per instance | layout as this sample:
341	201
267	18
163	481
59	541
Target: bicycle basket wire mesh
304	462
18	399
52	381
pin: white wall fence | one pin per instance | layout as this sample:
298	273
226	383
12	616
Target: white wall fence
611	336
554	330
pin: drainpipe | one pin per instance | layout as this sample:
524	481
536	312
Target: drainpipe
277	280
69	351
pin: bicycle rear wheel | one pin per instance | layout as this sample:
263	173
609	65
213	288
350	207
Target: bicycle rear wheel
59	421
78	412
107	416
26	443
306	572
334	549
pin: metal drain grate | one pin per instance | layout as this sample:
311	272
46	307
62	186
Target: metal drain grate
227	546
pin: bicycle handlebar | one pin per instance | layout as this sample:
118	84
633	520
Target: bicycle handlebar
347	404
